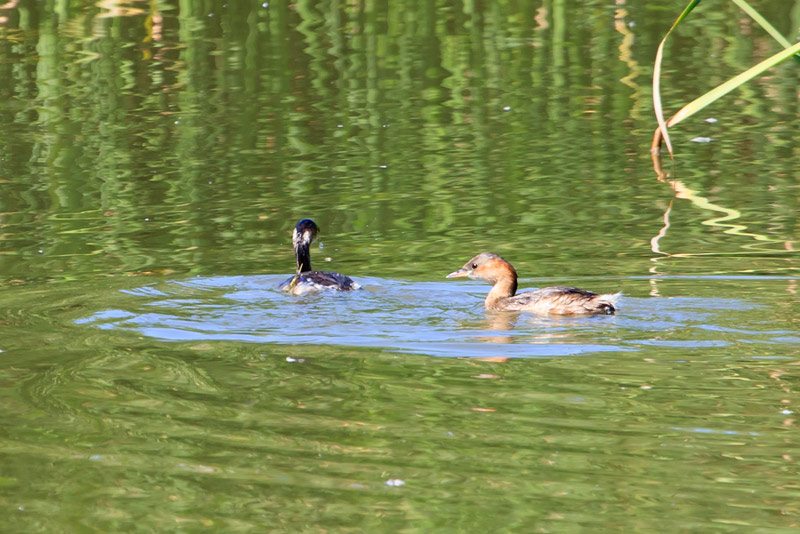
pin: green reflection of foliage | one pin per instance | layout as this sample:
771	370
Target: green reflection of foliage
193	135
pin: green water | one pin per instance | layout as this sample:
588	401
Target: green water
154	158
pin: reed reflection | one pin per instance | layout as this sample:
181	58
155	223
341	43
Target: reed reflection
204	135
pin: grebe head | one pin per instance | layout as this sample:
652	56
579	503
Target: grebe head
304	233
487	267
302	236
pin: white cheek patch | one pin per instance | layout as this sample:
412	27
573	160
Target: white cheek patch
305	237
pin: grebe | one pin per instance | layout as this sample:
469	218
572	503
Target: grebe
557	300
306	280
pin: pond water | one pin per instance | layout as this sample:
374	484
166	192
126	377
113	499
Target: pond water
155	158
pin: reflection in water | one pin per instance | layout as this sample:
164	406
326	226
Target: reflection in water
683	192
187	430
624	25
430	318
115	8
149	155
497	322
145	140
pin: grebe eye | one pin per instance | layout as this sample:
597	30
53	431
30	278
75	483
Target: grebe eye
474	265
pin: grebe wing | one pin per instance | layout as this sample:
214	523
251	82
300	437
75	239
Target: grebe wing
563	300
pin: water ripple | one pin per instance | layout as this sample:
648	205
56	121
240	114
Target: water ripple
435	318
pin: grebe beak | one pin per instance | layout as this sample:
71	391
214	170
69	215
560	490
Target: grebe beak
461	273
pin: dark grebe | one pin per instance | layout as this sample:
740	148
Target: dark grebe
557	300
306	280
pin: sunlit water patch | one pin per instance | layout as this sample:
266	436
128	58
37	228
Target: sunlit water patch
435	318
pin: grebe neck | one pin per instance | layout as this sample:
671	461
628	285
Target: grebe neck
504	287
303	257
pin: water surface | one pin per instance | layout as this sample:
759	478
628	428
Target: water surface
155	158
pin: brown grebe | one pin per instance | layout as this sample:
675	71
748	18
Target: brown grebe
557	300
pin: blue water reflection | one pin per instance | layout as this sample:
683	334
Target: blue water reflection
434	318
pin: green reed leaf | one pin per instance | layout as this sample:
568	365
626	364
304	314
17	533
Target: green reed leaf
721	90
764	23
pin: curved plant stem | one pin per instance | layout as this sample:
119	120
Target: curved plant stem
718	92
662	126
